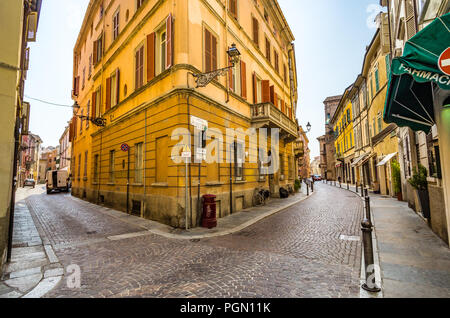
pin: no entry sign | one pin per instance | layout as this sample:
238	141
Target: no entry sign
444	62
125	147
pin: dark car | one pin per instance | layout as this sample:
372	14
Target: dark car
29	183
317	178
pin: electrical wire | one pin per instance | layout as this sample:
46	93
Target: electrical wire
46	102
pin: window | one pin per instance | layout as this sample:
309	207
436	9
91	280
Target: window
388	65
74	165
161	44
268	50
210	51
85	163
90	66
79	165
233	8
255	31
277	62
84	77
377	80
281	166
291	168
380	124
285	74
81	122
87	113
258	90
96	168
139	67
139	163
98	49
236	78
113	89
239	160
116	25
162	154
112	159
266	15
139	3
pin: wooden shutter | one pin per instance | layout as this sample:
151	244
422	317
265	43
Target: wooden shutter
282	107
108	94
233	8
243	80
207	51
169	44
275	99
74	127
117	86
411	24
272	94
95	52
265	91
230	77
255	89
213	53
71	130
75	86
151	38
94	105
256	31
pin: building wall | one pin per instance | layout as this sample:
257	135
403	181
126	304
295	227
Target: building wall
150	114
11	15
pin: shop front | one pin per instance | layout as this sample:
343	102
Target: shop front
419	96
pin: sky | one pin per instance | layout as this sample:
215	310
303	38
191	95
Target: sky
330	40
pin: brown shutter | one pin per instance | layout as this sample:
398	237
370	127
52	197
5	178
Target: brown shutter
213	53
94	105
272	94
411	23
151	56
276	100
283	109
117	86
207	51
169	44
71	130
233	8
256	31
108	94
255	90
265	91
230	78
95	52
74	127
243	80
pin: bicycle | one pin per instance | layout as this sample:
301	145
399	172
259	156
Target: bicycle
259	197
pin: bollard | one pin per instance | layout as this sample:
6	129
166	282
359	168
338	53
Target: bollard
307	189
348	185
368	217
366	192
369	285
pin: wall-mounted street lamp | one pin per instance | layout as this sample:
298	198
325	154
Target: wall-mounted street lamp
308	127
98	121
203	79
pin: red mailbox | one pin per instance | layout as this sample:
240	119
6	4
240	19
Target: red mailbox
209	219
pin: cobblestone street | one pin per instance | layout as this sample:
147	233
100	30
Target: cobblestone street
297	252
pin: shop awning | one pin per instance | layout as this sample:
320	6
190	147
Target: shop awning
360	159
409	100
386	159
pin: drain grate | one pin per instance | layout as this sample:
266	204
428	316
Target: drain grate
350	238
91	232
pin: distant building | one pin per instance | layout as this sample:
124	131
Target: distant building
29	158
315	166
304	168
65	150
327	148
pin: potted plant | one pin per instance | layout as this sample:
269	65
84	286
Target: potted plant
419	182
297	185
396	178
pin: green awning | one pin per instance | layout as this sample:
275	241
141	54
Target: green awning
409	100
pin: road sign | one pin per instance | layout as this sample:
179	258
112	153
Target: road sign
444	61
186	153
125	147
199	123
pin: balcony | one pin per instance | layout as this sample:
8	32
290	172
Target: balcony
266	115
299	150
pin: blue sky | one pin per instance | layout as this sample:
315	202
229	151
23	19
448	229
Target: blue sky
331	36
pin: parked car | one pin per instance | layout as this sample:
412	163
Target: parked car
57	180
29	183
316	177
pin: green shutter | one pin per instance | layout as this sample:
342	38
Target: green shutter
377	81
388	65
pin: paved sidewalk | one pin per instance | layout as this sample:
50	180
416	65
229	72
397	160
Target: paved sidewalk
225	226
415	262
34	268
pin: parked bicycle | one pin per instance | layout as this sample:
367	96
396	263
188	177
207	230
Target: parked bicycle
260	196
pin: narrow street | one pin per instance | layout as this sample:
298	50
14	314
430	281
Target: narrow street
295	253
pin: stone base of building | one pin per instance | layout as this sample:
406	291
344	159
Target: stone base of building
437	211
168	210
4	226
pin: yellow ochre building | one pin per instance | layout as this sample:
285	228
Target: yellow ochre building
135	66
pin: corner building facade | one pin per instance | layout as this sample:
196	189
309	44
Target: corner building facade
133	66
